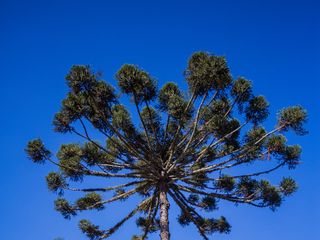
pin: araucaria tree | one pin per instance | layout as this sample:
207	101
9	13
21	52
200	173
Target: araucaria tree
183	148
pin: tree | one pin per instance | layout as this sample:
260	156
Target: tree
183	148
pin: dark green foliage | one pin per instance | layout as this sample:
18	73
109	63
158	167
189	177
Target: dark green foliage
92	231
89	98
69	157
179	110
90	201
121	120
172	101
190	146
270	195
257	110
168	91
247	186
102	95
80	78
152	120
91	154
200	178
222	225
215	225
226	183
113	145
63	206
226	128
183	219
288	186
293	118
136	82
208	203
276	144
61	122
73	106
241	91
143	224
219	108
291	156
207	72
254	135
266	194
193	198
37	152
56	182
254	141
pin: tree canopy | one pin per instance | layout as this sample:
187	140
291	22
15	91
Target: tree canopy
181	152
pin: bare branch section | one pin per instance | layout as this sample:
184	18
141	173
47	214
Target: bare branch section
110	231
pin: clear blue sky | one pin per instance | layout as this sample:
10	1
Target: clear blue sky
273	43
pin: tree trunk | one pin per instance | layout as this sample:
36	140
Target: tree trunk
164	215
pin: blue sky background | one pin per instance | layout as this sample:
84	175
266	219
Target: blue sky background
273	43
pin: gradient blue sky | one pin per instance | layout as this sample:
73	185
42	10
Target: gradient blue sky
273	43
